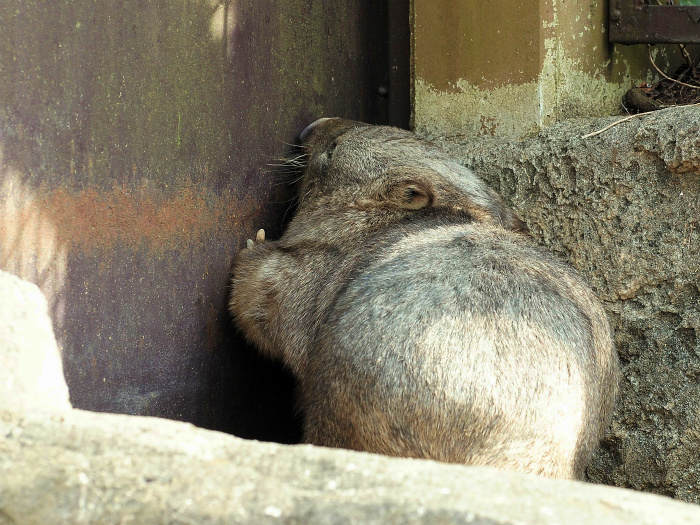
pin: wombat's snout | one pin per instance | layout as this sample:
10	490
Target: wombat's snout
308	129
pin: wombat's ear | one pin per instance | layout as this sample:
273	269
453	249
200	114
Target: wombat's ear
505	216
409	195
516	224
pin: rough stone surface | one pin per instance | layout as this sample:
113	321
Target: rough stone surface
31	374
105	469
624	208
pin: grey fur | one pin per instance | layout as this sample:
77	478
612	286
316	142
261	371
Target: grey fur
419	318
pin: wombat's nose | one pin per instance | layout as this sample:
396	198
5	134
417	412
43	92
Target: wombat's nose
305	133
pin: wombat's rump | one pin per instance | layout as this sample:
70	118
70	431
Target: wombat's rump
418	318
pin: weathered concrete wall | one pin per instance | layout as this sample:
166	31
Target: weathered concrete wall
509	69
64	466
624	208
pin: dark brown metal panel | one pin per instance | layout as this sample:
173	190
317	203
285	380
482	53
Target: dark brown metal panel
135	138
397	38
636	22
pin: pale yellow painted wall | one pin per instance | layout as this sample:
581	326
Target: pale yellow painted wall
507	68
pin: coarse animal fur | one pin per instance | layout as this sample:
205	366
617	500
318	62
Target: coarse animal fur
418	317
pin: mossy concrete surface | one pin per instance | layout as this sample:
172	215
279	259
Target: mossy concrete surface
510	69
624	208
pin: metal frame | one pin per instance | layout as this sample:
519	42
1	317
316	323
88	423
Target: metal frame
636	22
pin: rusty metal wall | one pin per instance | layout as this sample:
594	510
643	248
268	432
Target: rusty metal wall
639	22
135	138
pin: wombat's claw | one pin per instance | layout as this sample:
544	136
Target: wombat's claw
259	237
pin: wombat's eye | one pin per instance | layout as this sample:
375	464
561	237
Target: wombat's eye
329	151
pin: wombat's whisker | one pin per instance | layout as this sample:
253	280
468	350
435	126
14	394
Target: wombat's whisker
300	156
285	172
276	165
291	205
296	163
302	198
291	200
289	182
285	158
295	157
286	165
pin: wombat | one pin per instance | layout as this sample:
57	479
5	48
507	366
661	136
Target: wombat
418	317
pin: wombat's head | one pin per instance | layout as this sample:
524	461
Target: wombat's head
367	166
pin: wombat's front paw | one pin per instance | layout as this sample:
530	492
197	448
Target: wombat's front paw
259	237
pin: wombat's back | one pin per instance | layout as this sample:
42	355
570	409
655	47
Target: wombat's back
464	344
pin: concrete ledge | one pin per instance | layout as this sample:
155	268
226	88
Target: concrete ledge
31	374
82	467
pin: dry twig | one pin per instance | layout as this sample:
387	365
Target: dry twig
666	76
630	117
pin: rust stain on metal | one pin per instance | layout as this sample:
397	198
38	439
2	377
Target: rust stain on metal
90	218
